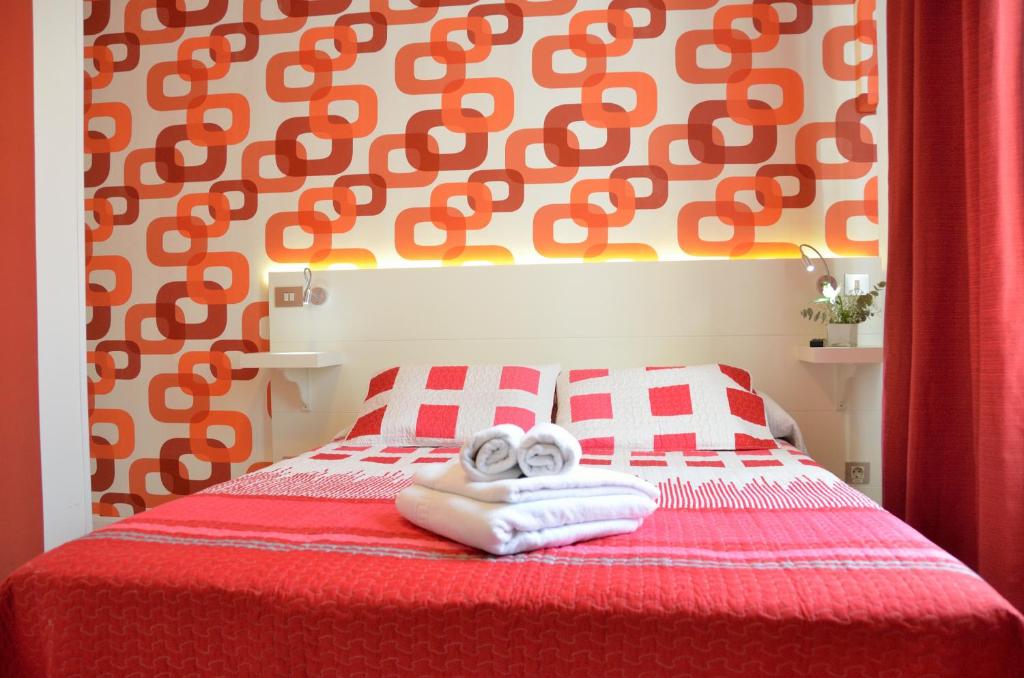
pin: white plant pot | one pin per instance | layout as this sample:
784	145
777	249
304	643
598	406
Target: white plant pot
842	334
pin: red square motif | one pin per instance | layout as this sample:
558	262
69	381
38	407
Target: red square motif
597	445
524	419
368	424
380	460
447	378
520	379
385	381
745	442
668	401
648	462
741	377
581	375
746	405
591	406
754	463
675	441
437	421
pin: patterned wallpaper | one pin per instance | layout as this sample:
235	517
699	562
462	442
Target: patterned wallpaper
227	137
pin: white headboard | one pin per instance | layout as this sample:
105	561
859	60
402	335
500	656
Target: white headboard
744	313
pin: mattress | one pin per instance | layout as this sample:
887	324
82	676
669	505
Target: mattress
757	563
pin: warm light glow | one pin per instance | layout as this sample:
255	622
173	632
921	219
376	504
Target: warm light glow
527	259
279	268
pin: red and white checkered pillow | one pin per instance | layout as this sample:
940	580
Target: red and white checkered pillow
703	407
445	405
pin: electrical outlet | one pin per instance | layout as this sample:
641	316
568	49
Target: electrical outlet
287	296
856	283
858	472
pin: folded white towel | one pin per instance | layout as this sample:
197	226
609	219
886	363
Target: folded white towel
581	482
491	453
504	529
548	449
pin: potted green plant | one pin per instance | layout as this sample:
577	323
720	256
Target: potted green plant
843	313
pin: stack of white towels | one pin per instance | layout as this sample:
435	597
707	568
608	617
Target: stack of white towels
515	491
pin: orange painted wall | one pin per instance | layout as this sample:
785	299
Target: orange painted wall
21	504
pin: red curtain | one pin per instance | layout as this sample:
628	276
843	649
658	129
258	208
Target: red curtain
21	502
953	406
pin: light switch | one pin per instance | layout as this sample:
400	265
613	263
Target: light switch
287	296
856	283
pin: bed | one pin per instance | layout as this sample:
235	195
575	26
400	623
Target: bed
757	563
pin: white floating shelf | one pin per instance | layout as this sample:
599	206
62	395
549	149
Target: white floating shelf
844	360
840	355
290	359
294	366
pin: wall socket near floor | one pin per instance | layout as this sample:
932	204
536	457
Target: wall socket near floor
858	472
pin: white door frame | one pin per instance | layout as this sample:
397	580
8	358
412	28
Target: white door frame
60	269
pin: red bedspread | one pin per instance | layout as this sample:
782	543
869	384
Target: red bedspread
758	563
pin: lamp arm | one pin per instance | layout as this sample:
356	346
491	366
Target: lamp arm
828	272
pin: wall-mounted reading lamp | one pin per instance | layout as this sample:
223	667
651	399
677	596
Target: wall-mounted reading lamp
823	281
312	295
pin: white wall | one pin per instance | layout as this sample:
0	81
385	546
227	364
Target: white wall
743	313
60	275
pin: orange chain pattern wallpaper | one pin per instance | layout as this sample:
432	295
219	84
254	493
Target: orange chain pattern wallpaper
225	137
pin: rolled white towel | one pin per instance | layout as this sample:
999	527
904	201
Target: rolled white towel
491	453
547	450
504	529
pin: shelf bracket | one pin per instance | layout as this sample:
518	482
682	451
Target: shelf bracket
300	377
